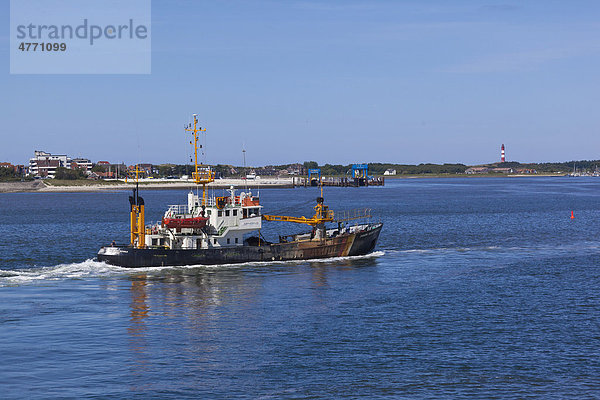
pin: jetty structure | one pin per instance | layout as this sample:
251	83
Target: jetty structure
226	229
359	176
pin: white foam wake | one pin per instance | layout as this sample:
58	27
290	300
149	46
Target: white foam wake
95	269
87	268
565	247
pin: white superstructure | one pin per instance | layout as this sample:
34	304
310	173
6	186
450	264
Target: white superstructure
228	219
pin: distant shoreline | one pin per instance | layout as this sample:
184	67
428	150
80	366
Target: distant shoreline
39	186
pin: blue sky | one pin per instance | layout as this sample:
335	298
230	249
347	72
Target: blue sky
330	81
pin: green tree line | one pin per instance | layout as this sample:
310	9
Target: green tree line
9	175
223	170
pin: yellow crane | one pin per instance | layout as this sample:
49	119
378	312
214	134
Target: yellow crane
322	215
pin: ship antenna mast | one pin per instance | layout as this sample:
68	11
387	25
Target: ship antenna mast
245	173
321	184
202	173
137	179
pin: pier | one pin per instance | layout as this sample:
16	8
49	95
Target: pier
340	181
359	176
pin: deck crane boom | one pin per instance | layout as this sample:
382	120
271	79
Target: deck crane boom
322	215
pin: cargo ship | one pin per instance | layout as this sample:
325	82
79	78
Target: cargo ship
210	230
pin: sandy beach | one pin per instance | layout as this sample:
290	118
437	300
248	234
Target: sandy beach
171	184
152	184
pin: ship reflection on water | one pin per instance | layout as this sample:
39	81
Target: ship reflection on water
137	328
216	318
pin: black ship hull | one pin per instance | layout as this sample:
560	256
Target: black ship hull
347	244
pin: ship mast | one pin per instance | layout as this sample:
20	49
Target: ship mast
202	173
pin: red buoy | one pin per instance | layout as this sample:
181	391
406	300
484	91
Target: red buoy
572	216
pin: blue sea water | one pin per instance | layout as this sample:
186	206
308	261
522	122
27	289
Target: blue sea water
478	288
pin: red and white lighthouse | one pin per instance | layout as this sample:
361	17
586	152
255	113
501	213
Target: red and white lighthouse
502	158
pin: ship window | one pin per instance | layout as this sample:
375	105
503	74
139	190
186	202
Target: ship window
245	213
215	241
227	213
208	212
236	240
228	240
234	213
220	214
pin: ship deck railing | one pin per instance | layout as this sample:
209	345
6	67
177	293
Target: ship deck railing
351	215
177	209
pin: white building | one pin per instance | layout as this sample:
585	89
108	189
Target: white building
44	164
82	163
390	172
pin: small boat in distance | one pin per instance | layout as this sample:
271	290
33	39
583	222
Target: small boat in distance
212	230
